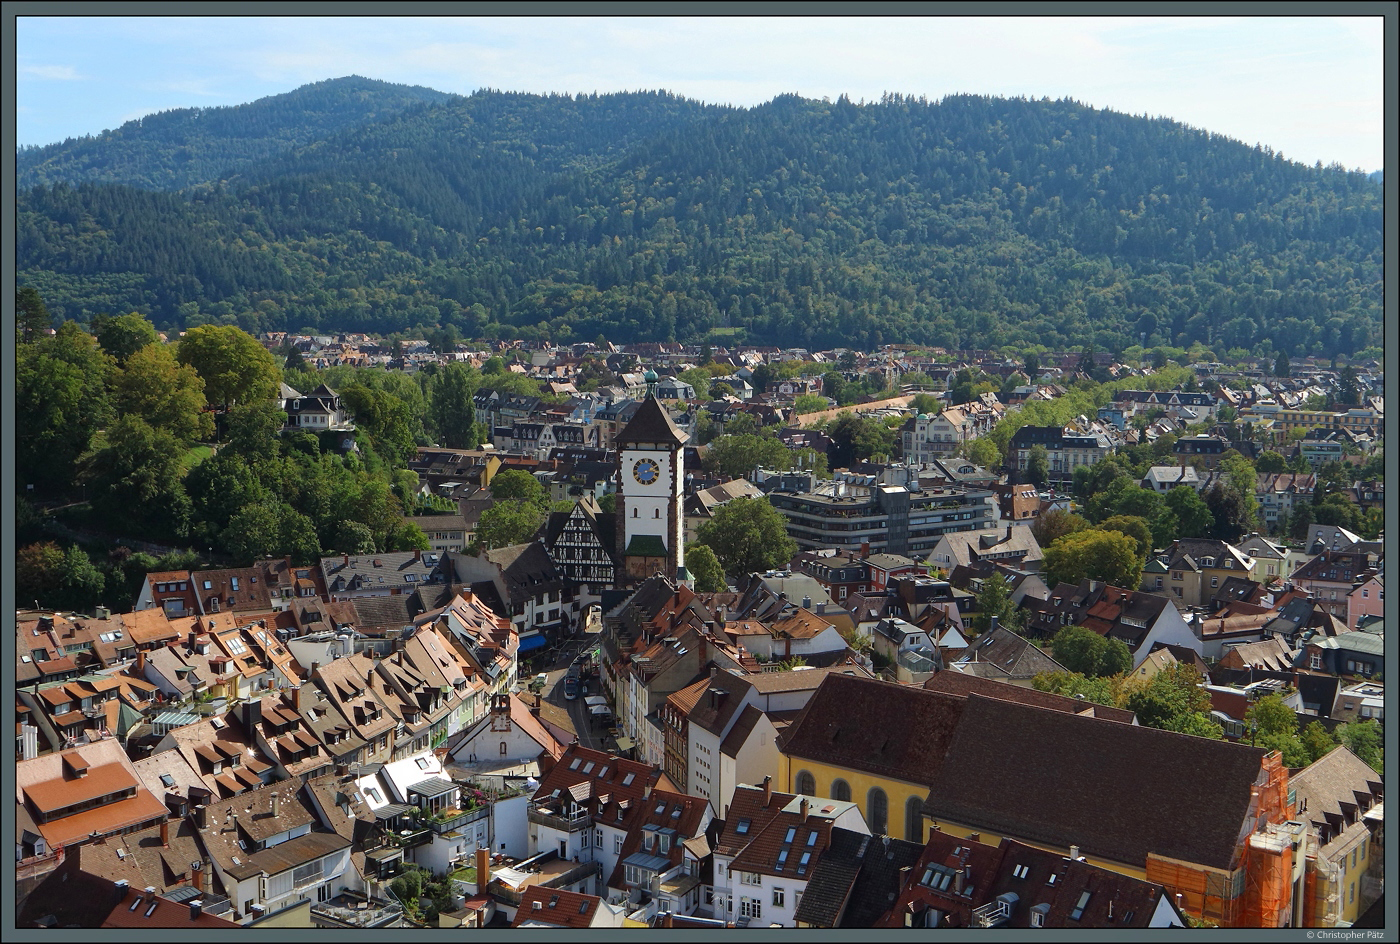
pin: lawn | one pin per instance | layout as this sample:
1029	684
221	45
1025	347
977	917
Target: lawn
467	874
196	455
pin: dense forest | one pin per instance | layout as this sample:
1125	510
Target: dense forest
186	146
968	222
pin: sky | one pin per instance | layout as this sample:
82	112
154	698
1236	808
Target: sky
1308	87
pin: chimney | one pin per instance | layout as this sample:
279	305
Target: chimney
806	603
276	805
315	667
197	876
704	655
864	549
165	833
201	816
1074	852
252	714
1008	531
483	869
802	810
141	662
123	886
767	791
346	562
418	555
296	699
196	907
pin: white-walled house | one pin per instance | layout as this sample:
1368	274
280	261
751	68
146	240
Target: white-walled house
770	846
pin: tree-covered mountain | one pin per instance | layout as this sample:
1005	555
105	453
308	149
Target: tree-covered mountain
967	222
186	146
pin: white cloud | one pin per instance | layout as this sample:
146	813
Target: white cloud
57	73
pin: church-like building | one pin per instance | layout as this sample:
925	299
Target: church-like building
650	476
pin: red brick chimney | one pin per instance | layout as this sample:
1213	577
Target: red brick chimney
165	833
802	810
197	876
141	662
767	791
483	869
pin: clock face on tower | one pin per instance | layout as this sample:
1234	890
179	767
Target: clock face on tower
646	471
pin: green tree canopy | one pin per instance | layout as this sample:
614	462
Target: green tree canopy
705	569
452	411
137	480
166	394
1174	700
737	456
507	523
1098	555
517	485
1193	517
748	535
61	399
1084	651
1135	528
235	367
124	335
1055	524
32	316
54	578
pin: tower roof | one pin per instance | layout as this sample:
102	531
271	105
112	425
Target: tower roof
651	423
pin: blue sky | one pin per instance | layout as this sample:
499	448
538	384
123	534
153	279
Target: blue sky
1308	87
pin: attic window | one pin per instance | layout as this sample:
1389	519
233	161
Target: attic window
1078	911
1021	871
573	765
743	827
167	780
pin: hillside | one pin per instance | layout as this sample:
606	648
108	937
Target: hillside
186	146
967	222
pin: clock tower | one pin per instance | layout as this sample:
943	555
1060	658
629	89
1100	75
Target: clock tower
650	475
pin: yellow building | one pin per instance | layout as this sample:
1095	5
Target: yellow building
1340	801
873	743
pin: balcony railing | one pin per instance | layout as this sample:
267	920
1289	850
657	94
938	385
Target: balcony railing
545	816
447	824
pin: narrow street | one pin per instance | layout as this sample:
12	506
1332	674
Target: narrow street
559	661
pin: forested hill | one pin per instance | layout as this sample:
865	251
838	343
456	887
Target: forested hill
186	146
967	222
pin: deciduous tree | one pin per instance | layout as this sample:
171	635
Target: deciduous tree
235	367
166	394
1098	555
704	568
748	535
124	335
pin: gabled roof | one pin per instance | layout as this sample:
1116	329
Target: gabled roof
878	727
1022	771
1335	786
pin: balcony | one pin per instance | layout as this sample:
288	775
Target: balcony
456	819
542	814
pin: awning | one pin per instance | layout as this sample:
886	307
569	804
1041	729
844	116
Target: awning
625	744
529	643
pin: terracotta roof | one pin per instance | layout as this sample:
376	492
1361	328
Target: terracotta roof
556	906
97	782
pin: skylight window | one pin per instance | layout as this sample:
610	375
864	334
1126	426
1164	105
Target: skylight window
627	780
792	831
423	763
588	767
743	827
812	838
1021	871
573	765
1078	911
167	780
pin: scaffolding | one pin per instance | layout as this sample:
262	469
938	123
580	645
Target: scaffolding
1257	891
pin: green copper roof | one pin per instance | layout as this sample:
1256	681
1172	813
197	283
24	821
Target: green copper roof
646	545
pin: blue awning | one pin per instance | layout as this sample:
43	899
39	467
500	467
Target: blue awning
528	643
